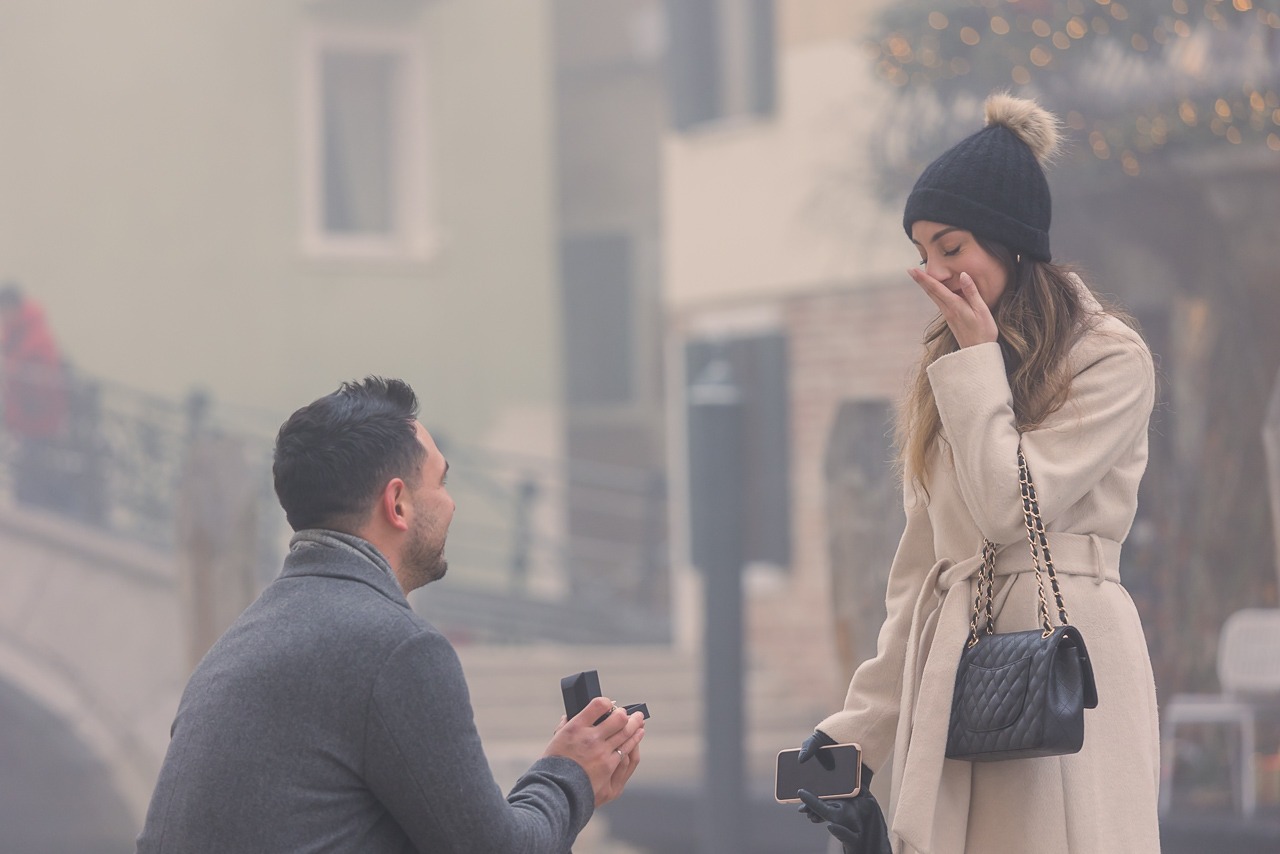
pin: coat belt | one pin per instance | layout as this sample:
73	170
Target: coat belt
930	792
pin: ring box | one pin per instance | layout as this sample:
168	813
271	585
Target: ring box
581	688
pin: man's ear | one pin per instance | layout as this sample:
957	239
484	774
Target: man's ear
392	505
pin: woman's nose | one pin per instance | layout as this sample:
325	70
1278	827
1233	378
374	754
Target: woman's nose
938	271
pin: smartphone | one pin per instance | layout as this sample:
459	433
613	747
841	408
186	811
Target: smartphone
835	771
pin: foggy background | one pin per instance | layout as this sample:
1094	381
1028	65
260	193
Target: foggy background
570	225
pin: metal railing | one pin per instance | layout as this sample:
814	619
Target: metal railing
581	546
539	547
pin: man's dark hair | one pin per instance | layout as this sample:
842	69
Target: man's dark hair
334	456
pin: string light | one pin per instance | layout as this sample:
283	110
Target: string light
939	48
1098	143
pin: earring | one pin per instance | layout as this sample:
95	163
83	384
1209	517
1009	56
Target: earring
1017	259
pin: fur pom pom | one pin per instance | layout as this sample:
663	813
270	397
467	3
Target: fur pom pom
1033	124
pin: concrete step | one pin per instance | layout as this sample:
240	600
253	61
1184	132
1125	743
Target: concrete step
666	759
515	691
513	686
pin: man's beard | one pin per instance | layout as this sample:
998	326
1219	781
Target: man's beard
425	560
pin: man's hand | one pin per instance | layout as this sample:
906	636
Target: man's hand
964	310
608	753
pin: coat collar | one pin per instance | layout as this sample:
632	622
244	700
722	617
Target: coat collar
333	554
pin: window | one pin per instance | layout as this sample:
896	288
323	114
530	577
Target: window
365	182
722	61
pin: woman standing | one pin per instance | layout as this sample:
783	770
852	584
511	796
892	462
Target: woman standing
1021	355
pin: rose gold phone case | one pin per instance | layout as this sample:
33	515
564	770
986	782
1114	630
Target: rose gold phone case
857	783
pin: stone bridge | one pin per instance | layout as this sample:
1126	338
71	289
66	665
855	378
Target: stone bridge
91	666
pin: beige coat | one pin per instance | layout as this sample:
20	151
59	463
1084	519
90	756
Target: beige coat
1086	460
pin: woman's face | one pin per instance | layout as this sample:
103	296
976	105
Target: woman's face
947	251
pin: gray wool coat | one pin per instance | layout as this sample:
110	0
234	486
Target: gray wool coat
332	718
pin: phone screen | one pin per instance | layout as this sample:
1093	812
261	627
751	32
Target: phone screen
834	772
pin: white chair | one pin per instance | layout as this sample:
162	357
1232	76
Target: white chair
1249	673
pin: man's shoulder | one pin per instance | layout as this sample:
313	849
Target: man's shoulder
320	613
319	637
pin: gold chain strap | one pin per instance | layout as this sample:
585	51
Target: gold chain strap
986	576
1037	542
1033	504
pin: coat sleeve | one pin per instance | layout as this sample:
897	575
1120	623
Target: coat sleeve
871	707
425	763
1102	422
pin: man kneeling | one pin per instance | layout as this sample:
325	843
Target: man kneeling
331	717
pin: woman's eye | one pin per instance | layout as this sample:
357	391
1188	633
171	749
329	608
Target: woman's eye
950	253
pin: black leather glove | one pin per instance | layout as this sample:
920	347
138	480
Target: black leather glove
812	743
858	821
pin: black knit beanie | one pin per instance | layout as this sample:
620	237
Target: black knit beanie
992	183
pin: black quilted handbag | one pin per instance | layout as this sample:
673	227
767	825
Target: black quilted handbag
1020	695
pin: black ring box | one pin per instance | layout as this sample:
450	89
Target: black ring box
581	688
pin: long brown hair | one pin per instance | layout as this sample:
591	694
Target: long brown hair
1040	315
